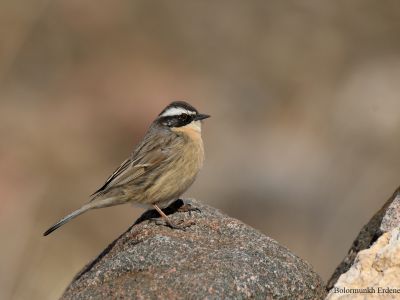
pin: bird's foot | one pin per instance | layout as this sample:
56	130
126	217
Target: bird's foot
187	207
182	225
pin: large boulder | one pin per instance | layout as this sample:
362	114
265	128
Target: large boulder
217	257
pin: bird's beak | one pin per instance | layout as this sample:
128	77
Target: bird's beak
199	117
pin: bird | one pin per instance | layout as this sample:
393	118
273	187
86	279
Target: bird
159	170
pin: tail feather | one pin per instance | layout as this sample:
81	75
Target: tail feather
68	218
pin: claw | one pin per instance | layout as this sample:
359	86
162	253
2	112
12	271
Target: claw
180	226
187	207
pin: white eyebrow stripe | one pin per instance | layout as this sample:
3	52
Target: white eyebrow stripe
176	111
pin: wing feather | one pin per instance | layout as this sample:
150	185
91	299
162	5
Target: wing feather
147	156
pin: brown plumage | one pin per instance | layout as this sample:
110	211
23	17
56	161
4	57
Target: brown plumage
161	168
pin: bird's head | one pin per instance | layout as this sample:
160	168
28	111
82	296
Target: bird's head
181	115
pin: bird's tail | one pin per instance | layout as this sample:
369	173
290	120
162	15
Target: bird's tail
98	203
68	218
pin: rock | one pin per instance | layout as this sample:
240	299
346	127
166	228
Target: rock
391	217
218	257
385	220
376	271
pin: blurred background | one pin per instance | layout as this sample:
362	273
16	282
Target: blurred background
303	143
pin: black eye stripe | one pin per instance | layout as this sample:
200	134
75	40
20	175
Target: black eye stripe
177	121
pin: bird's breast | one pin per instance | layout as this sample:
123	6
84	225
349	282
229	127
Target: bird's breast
181	171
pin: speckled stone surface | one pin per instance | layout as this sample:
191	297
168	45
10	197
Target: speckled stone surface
391	219
218	257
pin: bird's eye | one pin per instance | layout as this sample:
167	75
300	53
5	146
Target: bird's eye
184	117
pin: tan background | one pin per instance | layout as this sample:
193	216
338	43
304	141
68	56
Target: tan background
303	142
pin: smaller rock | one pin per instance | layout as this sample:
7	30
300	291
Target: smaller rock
376	271
385	220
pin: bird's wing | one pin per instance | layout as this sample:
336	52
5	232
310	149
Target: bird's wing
116	176
147	156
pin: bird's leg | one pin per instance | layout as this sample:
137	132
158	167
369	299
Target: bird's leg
167	220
